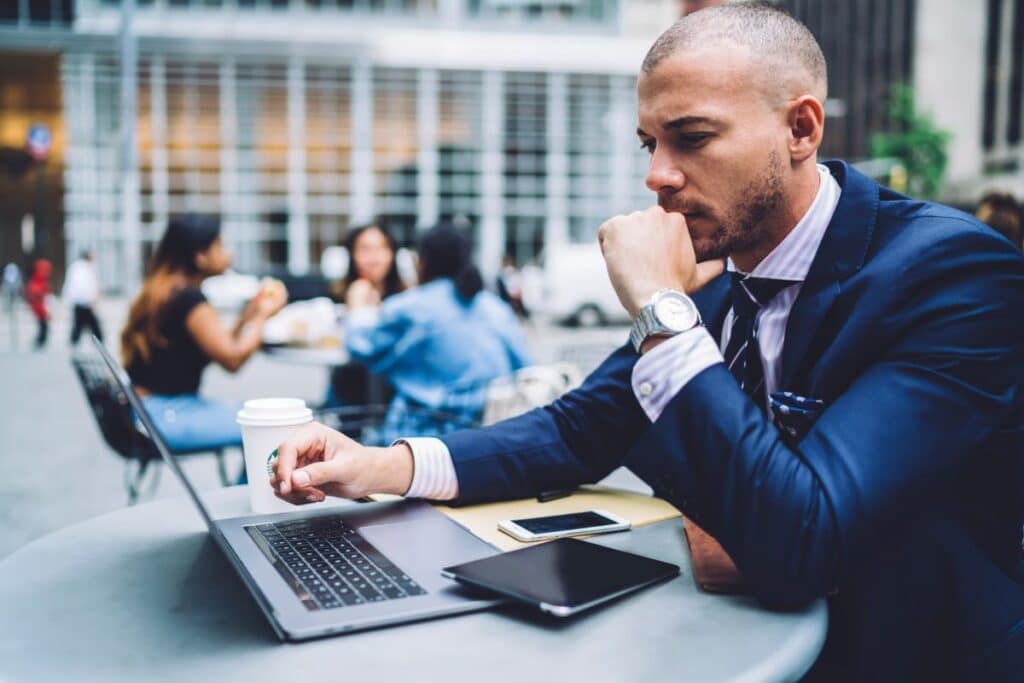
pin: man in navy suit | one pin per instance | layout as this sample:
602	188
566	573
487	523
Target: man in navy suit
842	409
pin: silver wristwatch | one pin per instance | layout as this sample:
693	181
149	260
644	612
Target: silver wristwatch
669	313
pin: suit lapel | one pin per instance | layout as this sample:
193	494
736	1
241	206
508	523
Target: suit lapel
713	302
841	253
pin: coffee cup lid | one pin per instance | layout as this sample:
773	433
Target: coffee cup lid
274	412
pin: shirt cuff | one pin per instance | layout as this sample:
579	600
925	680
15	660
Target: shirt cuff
433	474
664	370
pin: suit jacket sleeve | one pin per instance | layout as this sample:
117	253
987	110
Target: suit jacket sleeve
579	438
798	519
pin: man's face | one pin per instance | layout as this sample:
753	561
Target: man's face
718	146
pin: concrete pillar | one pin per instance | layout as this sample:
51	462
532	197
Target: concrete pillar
492	222
298	220
427	159
228	129
362	200
131	253
556	226
949	77
622	124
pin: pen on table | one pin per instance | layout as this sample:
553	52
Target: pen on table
547	496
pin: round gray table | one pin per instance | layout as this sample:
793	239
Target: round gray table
142	594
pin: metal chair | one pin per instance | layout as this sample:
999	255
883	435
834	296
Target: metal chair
121	431
530	387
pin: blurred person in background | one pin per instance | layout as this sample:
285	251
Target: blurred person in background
372	276
173	333
510	286
82	292
372	251
11	285
438	344
36	291
1001	212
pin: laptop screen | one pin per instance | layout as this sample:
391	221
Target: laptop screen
120	376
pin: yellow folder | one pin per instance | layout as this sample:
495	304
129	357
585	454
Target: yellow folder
482	520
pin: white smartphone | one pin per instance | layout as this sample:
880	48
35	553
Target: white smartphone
558	526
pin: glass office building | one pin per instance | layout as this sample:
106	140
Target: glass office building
295	119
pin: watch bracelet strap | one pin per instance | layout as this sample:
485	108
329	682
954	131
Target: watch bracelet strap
642	326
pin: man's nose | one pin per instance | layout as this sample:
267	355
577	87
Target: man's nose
663	175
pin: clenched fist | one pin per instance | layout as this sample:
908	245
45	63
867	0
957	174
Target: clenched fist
651	250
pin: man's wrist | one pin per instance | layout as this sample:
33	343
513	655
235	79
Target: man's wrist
397	468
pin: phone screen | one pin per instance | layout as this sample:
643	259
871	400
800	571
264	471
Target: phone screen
575	520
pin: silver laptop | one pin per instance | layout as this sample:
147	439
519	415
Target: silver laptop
317	572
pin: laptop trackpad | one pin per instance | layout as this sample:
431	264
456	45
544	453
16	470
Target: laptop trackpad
423	547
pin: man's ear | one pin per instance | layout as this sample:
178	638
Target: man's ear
806	119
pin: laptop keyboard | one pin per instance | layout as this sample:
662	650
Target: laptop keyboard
329	564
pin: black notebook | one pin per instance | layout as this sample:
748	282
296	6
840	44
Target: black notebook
562	577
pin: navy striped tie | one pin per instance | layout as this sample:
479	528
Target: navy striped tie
743	353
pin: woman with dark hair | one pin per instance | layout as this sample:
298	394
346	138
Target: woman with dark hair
173	333
372	277
371	251
440	343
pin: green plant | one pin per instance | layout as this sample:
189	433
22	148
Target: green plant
918	143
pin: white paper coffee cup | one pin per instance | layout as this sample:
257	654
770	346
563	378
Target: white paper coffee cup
266	422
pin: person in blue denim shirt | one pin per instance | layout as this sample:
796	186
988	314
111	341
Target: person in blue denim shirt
440	343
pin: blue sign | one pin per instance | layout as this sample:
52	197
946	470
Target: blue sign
39	141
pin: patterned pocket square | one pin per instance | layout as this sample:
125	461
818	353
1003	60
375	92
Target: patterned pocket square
795	414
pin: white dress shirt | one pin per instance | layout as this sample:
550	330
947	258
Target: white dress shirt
662	372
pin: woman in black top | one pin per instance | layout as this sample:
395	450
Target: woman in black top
173	333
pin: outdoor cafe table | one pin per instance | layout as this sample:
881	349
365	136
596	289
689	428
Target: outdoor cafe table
143	594
298	355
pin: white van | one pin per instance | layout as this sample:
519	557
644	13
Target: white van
570	284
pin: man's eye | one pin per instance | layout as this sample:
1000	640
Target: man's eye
694	139
647	145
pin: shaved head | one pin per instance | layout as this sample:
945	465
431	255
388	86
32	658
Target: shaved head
790	60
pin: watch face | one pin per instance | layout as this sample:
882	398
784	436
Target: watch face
675	312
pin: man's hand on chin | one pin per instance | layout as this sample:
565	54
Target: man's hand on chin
651	250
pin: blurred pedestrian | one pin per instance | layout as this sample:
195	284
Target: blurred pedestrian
1001	212
82	292
36	291
10	289
11	285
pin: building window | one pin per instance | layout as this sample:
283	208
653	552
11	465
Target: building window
993	34
395	150
328	154
525	165
460	144
590	154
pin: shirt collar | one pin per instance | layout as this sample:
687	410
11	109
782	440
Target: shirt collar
791	259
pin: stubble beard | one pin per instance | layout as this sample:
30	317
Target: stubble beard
745	227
